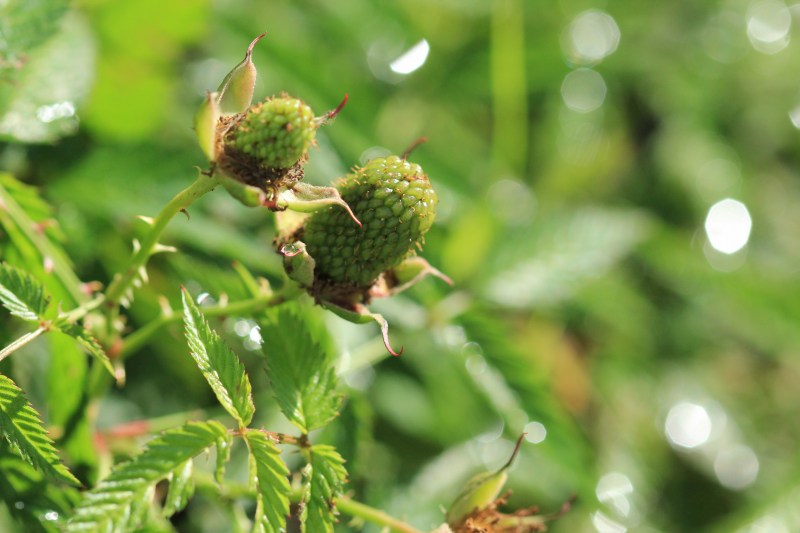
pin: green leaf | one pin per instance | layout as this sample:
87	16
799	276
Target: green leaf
21	426
109	505
21	294
324	477
300	370
561	255
23	214
25	24
41	105
181	489
270	476
31	498
88	342
220	366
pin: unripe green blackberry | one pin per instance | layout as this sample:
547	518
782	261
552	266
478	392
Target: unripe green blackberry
277	132
395	203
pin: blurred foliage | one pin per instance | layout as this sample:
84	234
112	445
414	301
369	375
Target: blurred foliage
575	175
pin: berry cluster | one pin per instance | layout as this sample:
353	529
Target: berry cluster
354	241
395	203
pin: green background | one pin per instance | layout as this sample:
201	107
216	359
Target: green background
588	299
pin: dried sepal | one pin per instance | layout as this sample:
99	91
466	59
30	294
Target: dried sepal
408	273
359	314
305	198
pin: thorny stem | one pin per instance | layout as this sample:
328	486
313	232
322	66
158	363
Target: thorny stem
135	340
122	282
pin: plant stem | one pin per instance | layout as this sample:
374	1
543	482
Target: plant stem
138	338
370	514
20	342
122	282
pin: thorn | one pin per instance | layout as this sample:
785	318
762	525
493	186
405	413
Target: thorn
49	265
119	374
412	146
143	275
163	248
147	220
163	303
136	246
185	212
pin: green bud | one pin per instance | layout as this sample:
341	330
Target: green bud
480	491
236	90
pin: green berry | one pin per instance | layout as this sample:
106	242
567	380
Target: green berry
277	132
395	203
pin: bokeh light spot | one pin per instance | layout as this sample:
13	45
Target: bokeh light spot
592	36
412	59
613	489
736	467
535	432
583	90
688	425
728	225
768	25
604	524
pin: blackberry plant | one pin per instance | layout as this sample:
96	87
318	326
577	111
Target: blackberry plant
344	245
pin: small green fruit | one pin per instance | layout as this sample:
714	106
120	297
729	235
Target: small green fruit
277	132
395	203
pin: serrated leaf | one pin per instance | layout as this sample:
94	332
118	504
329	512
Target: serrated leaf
110	505
222	369
324	478
29	495
88	342
21	294
269	474
23	214
300	370
21	426
181	489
